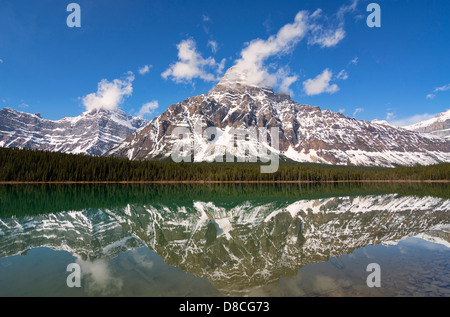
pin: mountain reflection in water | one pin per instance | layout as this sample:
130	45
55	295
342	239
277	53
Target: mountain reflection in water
239	237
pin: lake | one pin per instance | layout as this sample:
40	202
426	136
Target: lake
209	240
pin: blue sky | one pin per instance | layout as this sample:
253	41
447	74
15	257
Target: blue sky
399	72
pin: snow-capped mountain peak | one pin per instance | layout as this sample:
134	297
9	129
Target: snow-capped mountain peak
306	133
236	78
438	125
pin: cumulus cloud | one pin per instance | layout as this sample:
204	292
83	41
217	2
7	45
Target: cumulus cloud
148	108
286	82
320	84
192	65
250	68
110	95
144	69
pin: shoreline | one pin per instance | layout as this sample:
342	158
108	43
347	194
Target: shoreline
223	182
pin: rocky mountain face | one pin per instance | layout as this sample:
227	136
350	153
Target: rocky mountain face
306	133
91	133
437	126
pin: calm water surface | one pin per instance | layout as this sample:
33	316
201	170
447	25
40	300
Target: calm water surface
225	240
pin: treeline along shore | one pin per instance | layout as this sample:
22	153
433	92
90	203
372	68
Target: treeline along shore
18	165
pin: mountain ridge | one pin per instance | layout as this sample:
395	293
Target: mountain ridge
93	132
306	133
303	133
439	125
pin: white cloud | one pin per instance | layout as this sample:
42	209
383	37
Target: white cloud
326	38
148	108
438	89
342	75
110	95
206	18
390	116
23	106
285	81
342	111
250	68
192	65
331	36
320	84
144	69
354	61
443	88
347	8
412	120
1	61
99	279
213	45
357	110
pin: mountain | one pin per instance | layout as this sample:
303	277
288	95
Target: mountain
438	126
93	132
306	133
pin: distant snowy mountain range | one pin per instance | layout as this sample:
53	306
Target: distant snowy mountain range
93	132
438	126
306	133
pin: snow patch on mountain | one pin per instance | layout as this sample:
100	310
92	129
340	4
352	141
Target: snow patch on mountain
306	133
93	132
438	126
